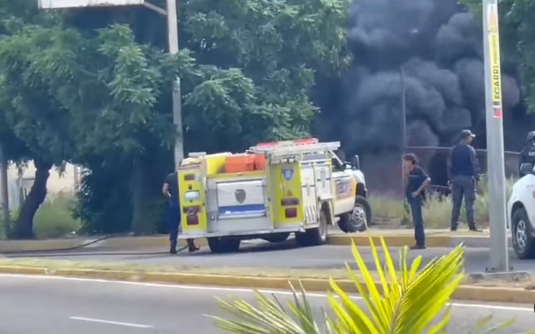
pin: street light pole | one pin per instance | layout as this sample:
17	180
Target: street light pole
499	256
172	32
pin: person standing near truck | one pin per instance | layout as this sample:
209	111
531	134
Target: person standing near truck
416	182
463	175
170	191
527	155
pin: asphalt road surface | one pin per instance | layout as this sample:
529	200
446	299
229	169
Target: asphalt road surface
51	305
265	255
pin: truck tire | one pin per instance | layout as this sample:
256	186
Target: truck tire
523	241
223	245
279	237
315	236
357	220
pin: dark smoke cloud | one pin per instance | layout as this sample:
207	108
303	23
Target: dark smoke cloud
439	48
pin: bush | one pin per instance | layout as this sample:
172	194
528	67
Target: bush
54	218
437	211
405	300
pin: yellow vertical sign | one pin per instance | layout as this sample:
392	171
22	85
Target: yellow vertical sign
493	36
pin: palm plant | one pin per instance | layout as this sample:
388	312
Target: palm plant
405	300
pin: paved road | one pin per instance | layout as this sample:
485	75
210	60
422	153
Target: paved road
65	306
285	255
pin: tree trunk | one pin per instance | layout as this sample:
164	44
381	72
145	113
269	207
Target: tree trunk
36	196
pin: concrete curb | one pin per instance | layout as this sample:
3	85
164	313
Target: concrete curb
464	292
432	241
113	243
405	238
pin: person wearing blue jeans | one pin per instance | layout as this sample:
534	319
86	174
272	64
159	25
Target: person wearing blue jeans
416	181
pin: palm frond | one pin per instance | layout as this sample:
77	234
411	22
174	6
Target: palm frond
406	299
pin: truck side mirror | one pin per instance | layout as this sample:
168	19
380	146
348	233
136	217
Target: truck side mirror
355	163
526	168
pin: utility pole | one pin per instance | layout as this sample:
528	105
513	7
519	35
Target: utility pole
403	139
172	32
4	189
499	256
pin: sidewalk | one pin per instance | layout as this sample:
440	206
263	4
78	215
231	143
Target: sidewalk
392	237
405	237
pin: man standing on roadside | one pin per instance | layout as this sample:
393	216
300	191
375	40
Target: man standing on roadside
463	175
170	191
416	182
527	155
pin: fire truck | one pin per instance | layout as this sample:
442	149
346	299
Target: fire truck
269	192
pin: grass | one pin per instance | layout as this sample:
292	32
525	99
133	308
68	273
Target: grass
53	219
234	271
437	211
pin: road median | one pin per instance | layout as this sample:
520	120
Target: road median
314	280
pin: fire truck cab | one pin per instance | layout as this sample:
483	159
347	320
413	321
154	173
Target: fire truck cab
270	191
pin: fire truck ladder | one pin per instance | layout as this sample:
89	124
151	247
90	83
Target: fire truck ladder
293	150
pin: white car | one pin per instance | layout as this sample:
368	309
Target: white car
521	214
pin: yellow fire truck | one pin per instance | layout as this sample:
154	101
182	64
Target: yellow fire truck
269	192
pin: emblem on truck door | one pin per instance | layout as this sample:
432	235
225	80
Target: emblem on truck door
288	173
240	195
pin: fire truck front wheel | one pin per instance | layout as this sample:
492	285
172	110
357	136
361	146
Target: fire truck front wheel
223	245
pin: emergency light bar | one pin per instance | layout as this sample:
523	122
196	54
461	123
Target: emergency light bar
290	151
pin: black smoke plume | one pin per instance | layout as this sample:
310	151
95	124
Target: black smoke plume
438	47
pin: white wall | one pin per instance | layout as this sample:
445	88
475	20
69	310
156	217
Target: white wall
66	182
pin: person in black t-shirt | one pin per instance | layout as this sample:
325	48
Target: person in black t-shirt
528	152
463	174
416	181
170	191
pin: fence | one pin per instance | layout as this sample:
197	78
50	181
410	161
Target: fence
383	171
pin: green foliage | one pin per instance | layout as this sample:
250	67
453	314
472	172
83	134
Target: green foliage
408	299
54	218
516	39
437	210
279	47
93	87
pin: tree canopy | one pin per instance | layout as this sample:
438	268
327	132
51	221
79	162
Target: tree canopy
93	86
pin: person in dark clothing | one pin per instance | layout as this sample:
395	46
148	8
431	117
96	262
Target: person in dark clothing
527	155
416	181
463	175
170	191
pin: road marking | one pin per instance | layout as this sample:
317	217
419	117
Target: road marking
242	290
109	322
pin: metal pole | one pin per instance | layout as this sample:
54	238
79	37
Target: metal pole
403	138
172	31
499	257
4	192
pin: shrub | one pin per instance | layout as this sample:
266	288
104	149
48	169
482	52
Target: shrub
405	300
54	217
437	211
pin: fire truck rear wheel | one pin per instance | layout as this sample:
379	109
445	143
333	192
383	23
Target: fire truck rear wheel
224	245
315	236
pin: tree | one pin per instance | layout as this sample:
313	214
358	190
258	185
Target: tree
93	86
33	124
282	47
